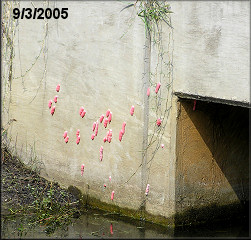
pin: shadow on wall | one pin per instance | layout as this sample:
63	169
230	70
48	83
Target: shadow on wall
224	129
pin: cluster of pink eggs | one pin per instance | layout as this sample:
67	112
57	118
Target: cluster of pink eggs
55	101
105	120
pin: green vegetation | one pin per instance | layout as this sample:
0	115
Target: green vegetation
26	194
152	12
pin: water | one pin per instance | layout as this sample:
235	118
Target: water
95	224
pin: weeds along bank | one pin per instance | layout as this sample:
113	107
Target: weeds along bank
24	194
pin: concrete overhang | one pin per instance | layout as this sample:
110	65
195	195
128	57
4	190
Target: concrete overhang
212	99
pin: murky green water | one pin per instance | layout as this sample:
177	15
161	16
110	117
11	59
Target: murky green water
100	225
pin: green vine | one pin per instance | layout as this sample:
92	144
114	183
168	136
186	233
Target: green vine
152	12
8	33
156	16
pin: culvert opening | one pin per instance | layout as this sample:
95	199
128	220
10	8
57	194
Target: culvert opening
212	172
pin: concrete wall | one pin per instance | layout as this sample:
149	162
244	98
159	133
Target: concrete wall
99	69
96	69
212	48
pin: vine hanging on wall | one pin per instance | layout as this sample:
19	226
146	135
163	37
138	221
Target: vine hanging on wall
157	80
11	56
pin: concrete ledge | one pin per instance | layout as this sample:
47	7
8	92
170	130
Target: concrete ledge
212	99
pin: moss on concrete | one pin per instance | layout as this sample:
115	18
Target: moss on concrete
190	217
125	213
139	215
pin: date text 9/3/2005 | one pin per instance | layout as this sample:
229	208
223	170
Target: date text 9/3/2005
40	13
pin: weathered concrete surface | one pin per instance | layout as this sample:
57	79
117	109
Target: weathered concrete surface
97	69
212	159
161	161
212	48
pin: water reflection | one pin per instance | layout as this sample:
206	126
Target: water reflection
94	224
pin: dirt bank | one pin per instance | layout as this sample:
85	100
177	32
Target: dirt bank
22	187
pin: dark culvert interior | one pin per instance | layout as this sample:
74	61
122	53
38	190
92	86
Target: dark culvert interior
212	172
